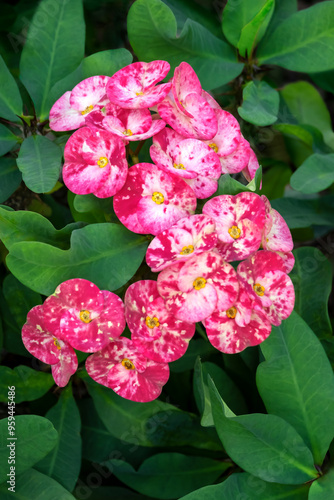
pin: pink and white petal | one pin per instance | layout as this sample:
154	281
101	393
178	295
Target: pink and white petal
137	299
80	294
82	178
115	180
202	186
250	170
89	92
204	121
85	337
63	116
222	210
250	206
193	306
153	72
237	160
198	266
282	295
112	319
228	133
244	307
226	284
37	339
156	127
288	259
240	248
185	81
99	364
167	281
279	238
266	262
170	113
155	218
210	100
53	310
197	159
66	366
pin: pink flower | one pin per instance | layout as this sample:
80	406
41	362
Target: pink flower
47	346
264	278
95	163
238	327
153	200
155	332
194	289
123	368
238	160
250	170
185	109
187	237
190	159
70	110
88	318
228	135
239	223
135	85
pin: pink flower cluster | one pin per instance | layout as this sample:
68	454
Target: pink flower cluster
194	142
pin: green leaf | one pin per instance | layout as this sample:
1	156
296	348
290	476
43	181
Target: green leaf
303	42
18	226
29	384
20	299
35	437
313	271
229	185
152	30
260	104
253	32
63	463
10	97
290	391
303	213
315	174
106	254
39	161
7	140
283	10
247	487
264	445
323	488
296	132
168	475
237	15
33	484
225	385
115	493
275	179
53	32
324	79
106	62
10	178
306	105
100	208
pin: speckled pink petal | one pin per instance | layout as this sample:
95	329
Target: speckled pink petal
282	295
185	81
276	234
238	159
134	86
128	122
63	116
196	158
194	305
66	366
156	127
188	236
80	294
228	135
250	170
227	336
137	298
248	242
288	259
37	339
210	100
164	143
112	318
202	186
89	92
226	285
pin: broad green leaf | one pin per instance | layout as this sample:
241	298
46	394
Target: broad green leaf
229	185
106	62
244	486
324	79
253	32
10	98
168	475
33	484
307	106
35	437
7	140
54	31
225	385
29	384
303	213
283	10
154	424
313	271
260	103
39	161
106	254
292	389
18	226
264	445
152	30
10	178
63	463
296	132
19	298
100	208
275	179
315	174
323	488
303	42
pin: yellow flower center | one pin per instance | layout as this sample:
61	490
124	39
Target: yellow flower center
235	232
127	364
152	322
199	283
102	162
85	316
187	250
158	198
179	166
231	312
87	110
127	132
214	146
139	93
259	289
56	343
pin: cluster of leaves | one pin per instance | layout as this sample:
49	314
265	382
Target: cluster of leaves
258	424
